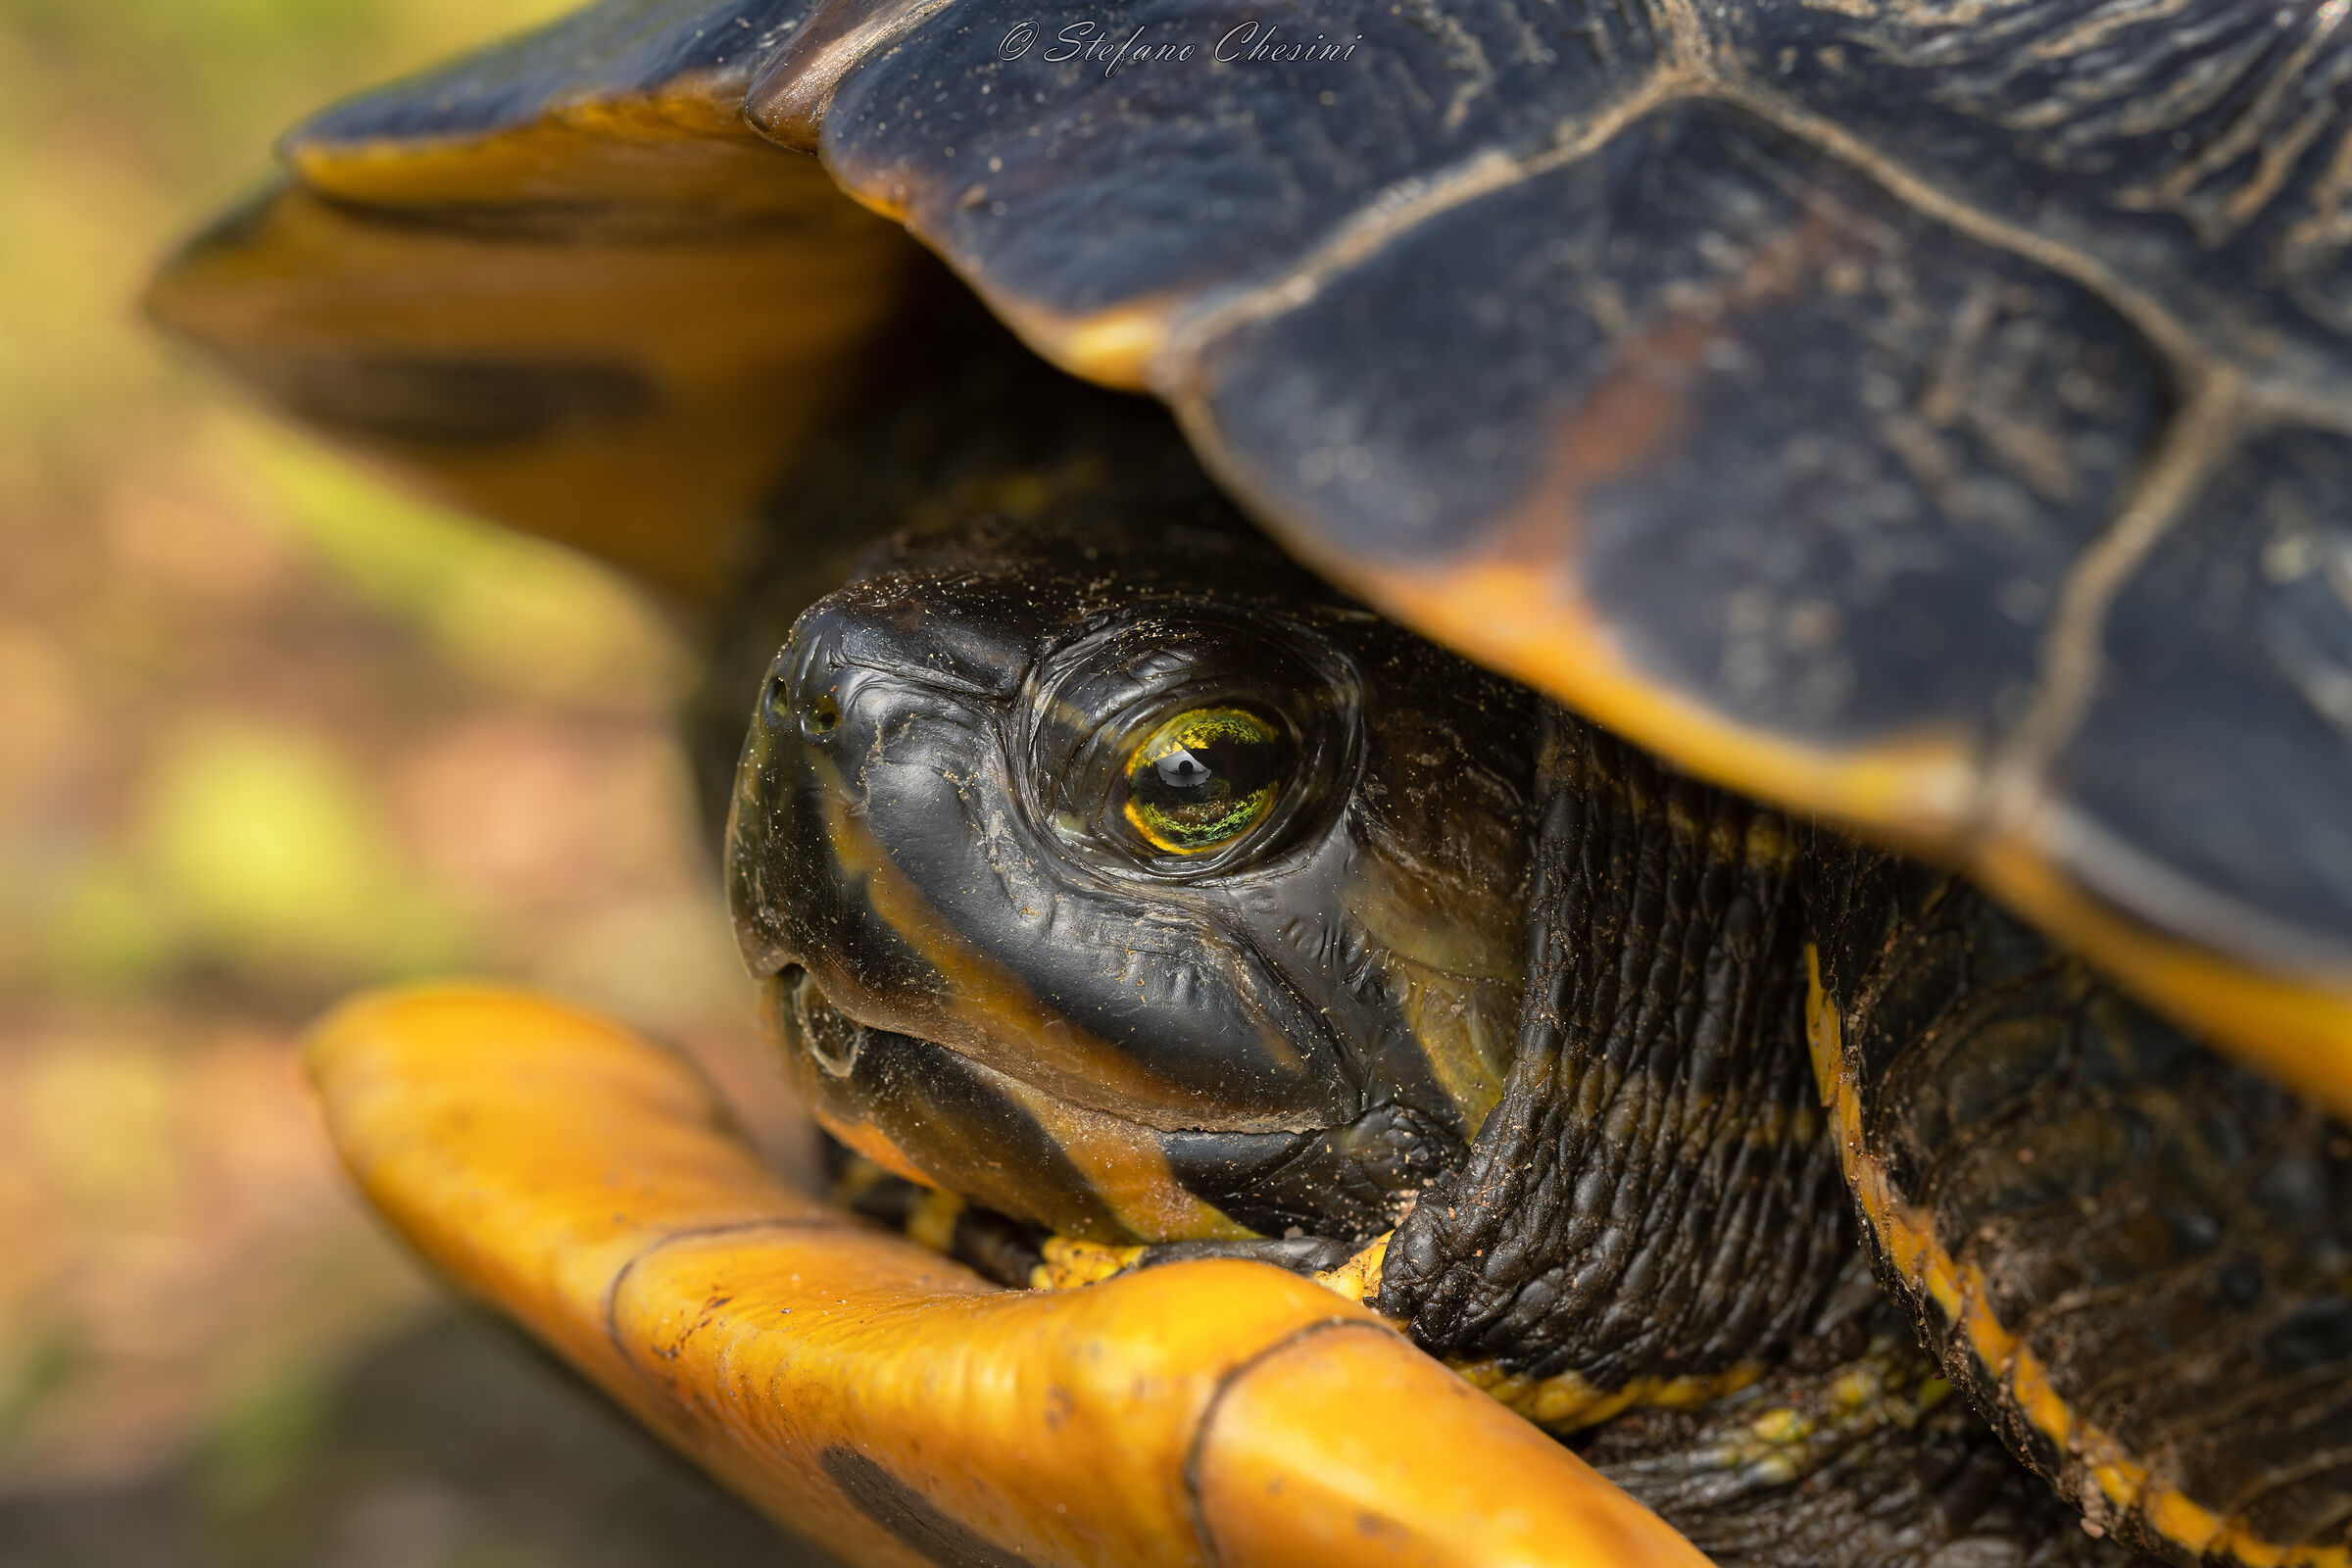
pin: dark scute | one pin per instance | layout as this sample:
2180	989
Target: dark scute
1807	454
2216	765
2191	147
910	1517
421	401
615	49
1078	188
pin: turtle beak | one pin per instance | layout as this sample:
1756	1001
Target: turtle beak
882	1401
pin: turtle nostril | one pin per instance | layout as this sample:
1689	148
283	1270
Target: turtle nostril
776	700
820	716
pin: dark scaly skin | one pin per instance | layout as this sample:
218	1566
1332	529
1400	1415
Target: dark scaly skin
1653	1198
2168	1236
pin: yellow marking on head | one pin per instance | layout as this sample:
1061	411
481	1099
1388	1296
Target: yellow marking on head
983	994
1454	957
872	1142
1128	1171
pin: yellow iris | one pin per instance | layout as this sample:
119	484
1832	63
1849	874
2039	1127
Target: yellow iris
1204	778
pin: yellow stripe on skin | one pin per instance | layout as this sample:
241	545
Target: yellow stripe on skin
587	1183
983	994
1560	1404
1127	1170
1566	1403
1907	1235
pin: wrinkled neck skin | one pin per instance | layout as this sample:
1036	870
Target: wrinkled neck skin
987	977
1653	1210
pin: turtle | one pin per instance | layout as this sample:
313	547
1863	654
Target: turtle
1797	688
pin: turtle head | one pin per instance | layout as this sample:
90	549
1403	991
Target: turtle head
1133	885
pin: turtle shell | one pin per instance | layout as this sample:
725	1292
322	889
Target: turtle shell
1938	418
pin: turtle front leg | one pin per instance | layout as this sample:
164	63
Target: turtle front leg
2134	1255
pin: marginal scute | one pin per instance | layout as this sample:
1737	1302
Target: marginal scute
560	284
608	52
1070	189
2238	625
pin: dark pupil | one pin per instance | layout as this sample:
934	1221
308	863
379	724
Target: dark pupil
1201	789
1183	770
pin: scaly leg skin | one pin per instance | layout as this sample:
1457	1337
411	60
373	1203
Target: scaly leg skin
1853	1452
2134	1255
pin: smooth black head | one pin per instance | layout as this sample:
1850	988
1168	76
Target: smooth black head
1132	883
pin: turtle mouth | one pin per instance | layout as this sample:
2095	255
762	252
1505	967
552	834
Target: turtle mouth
1003	1143
810	1025
831	1039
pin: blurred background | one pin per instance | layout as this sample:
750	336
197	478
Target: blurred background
268	734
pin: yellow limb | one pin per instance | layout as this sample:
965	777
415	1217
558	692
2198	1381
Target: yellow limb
890	1405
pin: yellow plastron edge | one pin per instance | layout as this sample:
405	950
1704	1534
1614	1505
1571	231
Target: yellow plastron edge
884	1401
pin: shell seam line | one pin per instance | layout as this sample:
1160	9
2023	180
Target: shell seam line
1405	206
2173	340
1687	41
810	92
2198	436
1398	210
692	1233
1195	1449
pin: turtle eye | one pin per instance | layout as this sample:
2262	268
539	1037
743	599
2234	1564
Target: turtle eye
1204	777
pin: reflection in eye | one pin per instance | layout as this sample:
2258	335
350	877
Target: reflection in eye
1204	778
